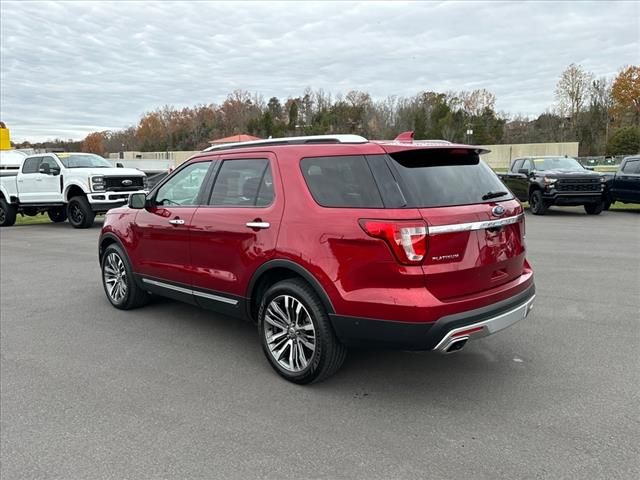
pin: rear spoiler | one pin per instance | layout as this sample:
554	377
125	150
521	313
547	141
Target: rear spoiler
405	141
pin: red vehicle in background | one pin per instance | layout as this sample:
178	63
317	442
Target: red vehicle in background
327	242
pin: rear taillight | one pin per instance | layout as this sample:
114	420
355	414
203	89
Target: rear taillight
407	239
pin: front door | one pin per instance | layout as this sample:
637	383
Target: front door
50	185
161	251
237	231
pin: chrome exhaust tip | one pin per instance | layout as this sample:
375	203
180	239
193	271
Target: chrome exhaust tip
456	345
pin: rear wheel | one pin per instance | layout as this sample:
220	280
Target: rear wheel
8	213
79	212
594	208
536	203
117	279
296	334
57	215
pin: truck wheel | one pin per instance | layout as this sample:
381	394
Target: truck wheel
79	212
117	279
296	334
57	215
8	213
536	203
594	208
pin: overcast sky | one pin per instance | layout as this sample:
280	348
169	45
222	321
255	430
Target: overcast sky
72	68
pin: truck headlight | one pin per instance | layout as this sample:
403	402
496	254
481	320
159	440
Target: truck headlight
145	183
97	183
549	181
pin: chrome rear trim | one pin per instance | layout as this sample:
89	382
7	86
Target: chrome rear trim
209	296
468	227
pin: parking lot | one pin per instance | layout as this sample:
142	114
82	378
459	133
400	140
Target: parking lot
171	391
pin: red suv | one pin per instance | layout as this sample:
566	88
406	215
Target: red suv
329	241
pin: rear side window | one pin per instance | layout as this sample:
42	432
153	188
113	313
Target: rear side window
243	183
341	182
31	165
632	166
439	178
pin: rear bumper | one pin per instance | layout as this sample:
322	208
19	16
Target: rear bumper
438	335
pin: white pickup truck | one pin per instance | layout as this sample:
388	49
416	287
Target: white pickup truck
76	186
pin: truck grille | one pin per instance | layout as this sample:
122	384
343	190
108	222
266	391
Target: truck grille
585	185
114	184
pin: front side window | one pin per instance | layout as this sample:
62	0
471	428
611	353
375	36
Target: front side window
243	183
31	165
341	182
53	165
183	188
517	165
632	166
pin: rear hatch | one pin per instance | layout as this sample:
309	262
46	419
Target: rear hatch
475	226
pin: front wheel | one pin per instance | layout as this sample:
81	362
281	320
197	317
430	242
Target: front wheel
296	334
8	213
117	279
57	215
594	208
536	203
80	213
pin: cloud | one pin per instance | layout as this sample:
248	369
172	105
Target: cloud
71	68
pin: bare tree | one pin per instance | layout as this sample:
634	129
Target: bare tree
572	90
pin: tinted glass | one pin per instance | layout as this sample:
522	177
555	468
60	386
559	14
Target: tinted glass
517	165
438	178
632	166
183	187
341	182
31	165
53	165
387	185
243	183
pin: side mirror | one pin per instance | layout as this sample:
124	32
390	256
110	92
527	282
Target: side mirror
45	169
119	165
137	201
524	171
55	171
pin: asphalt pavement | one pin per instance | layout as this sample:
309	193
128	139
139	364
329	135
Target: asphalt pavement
172	391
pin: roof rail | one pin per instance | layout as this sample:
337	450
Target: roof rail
311	139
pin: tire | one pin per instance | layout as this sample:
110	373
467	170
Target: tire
8	213
57	215
79	212
310	327
118	281
536	203
594	208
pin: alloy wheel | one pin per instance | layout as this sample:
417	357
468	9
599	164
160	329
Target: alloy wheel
75	212
289	333
115	277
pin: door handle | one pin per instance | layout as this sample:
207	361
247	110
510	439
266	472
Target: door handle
176	221
258	224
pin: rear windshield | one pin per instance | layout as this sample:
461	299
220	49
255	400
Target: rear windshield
439	178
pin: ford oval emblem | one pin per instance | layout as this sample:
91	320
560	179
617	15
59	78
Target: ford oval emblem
127	183
497	211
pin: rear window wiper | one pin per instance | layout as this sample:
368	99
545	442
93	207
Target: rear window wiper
490	195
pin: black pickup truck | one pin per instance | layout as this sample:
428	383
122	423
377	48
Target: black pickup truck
624	185
555	180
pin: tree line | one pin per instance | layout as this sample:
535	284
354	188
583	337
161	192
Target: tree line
602	114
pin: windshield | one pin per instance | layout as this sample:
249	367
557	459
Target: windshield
83	160
440	178
557	163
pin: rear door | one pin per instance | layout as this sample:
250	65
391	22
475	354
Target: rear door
161	230
475	228
28	184
236	231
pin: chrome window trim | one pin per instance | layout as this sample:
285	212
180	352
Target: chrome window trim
187	291
471	226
